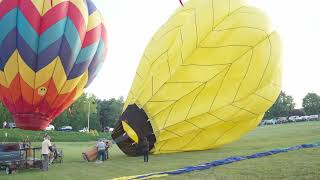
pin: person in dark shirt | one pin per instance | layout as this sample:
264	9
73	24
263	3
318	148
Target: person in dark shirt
144	147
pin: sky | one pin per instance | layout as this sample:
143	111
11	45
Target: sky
131	24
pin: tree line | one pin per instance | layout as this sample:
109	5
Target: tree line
285	106
103	113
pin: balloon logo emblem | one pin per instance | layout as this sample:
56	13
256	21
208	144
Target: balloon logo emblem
42	91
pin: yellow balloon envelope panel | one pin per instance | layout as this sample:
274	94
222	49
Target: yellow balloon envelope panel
206	78
50	51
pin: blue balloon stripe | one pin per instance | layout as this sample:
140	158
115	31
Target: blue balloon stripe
27	32
87	53
52	34
7	23
91	7
72	36
100	51
7	47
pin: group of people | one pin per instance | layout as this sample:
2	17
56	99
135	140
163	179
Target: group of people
103	147
102	150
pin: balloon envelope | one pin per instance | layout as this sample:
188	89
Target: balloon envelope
50	51
206	78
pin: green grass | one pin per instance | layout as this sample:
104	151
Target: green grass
300	164
17	135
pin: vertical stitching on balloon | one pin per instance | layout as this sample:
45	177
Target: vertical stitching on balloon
54	69
17	59
36	67
211	144
168	64
195	98
152	85
181	38
270	51
165	122
213	21
225	75
196	26
190	142
244	76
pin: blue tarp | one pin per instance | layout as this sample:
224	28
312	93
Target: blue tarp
227	161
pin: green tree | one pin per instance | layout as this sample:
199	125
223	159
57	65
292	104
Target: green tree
4	114
311	104
109	111
77	114
282	107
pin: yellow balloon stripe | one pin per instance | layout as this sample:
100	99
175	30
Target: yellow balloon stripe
94	20
11	68
53	70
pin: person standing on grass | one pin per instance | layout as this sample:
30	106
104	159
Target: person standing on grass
46	147
101	147
4	125
144	147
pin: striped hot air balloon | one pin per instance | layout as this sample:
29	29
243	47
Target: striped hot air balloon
50	51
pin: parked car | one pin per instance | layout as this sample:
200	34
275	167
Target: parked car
307	118
66	128
85	129
50	128
314	117
269	122
300	119
281	120
12	125
292	118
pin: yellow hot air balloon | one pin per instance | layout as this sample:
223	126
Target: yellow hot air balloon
207	77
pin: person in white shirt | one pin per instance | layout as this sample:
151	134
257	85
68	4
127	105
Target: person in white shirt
101	147
4	125
45	150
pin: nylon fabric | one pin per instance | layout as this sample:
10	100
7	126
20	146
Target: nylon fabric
49	52
208	75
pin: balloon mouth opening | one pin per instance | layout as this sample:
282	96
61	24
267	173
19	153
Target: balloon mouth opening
32	121
132	126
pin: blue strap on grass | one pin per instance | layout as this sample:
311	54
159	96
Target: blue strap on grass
228	160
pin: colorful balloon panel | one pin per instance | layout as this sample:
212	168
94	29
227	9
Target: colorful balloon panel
50	51
206	78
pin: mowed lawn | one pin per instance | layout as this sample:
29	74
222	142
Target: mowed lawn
300	164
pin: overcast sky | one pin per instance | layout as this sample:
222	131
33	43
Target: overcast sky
130	25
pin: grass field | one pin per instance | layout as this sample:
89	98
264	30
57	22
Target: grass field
300	164
16	135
